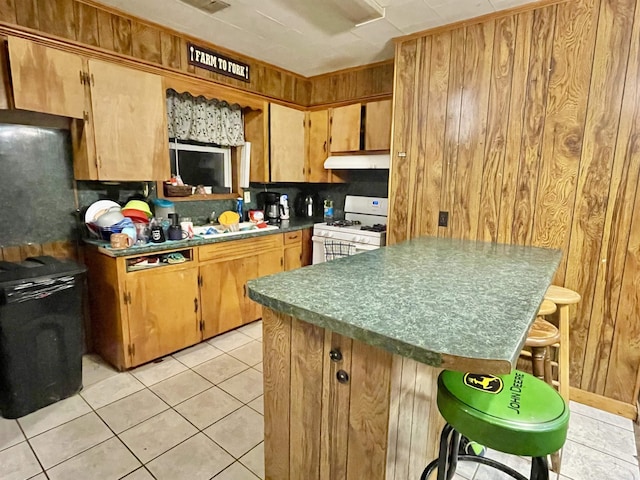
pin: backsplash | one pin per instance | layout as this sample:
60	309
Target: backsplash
37	196
370	183
39	202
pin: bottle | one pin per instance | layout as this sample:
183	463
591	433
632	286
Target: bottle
328	210
284	207
239	208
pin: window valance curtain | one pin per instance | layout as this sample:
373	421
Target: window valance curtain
204	120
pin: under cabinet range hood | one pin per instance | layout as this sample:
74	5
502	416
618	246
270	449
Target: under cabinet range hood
351	162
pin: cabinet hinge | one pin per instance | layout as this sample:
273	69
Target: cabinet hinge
85	116
93	82
200	282
126	298
132	350
201	324
244	289
195	305
281	261
81	77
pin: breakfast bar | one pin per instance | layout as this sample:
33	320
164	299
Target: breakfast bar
353	348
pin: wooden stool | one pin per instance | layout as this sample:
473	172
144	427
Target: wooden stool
542	336
562	297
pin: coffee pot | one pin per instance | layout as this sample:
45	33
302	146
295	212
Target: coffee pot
270	201
306	205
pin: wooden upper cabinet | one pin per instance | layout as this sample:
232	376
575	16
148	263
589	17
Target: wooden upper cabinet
129	123
318	145
287	144
345	128
377	129
45	79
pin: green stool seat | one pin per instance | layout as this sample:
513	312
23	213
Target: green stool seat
516	413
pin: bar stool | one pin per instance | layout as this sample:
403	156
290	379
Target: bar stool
562	297
542	335
516	414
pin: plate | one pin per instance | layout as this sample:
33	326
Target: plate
96	207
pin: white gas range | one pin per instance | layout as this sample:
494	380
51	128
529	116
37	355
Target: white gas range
363	228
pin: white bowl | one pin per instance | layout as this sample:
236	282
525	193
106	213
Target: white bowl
97	207
109	218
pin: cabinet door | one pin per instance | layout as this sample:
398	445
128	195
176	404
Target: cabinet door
318	138
293	257
342	421
163	312
287	144
377	129
269	262
225	304
45	79
345	128
130	124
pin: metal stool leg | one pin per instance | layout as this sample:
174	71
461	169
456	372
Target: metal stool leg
539	468
448	459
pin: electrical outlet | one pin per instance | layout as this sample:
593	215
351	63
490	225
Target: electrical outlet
443	219
247	197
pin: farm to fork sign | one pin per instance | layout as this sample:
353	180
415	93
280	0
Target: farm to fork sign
213	61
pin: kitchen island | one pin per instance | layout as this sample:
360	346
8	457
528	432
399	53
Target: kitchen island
353	347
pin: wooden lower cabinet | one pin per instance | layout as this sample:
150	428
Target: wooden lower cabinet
225	269
162	307
293	250
141	314
225	302
340	409
138	315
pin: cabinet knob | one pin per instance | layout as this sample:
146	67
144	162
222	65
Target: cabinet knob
342	376
335	355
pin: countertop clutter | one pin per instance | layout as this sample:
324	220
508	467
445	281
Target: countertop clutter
105	248
451	303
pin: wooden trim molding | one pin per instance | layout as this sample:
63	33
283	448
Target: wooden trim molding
603	403
199	41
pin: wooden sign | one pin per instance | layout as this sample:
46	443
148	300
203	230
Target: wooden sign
215	62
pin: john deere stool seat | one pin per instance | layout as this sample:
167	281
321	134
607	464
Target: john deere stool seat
515	413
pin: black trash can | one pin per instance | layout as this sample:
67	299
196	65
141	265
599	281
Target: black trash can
41	341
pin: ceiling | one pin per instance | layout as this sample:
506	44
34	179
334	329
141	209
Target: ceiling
308	37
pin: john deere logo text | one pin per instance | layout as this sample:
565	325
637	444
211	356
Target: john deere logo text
485	383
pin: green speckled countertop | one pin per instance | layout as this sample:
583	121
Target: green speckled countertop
457	304
104	247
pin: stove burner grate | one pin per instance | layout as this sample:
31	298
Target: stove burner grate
343	223
378	227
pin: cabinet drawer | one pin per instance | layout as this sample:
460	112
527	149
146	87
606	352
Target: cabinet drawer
292	237
239	248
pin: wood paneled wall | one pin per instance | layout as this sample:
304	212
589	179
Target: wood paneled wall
526	129
63	250
89	23
352	84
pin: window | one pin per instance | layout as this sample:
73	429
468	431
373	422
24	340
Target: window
202	164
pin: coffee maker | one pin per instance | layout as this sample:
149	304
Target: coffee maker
270	203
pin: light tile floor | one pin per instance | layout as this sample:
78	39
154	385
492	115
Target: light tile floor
198	415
